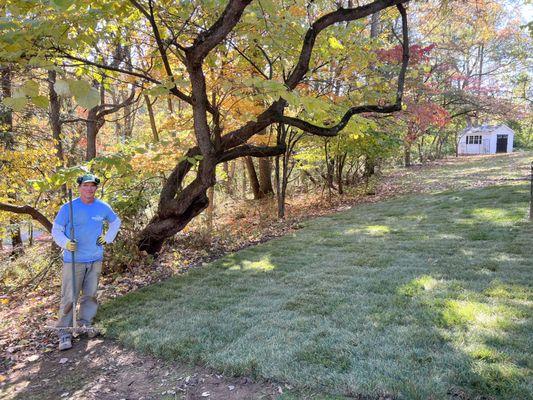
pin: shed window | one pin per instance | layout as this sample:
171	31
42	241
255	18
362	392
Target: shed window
476	139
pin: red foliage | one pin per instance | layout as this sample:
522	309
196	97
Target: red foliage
423	115
417	53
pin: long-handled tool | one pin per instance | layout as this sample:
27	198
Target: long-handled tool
72	237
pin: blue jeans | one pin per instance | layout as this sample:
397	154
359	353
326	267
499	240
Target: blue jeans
87	275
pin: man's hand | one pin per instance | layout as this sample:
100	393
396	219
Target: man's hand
100	241
71	245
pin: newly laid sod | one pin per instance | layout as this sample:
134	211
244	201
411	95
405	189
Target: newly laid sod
421	297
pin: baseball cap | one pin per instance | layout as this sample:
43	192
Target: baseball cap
87	178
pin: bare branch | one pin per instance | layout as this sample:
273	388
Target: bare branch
106	67
28	210
175	91
115	107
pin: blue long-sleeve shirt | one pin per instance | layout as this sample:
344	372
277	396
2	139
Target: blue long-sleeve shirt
88	226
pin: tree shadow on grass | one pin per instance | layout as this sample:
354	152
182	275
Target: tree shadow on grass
405	297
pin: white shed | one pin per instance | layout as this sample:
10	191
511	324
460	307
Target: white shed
486	139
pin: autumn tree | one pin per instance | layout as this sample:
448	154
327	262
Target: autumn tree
186	40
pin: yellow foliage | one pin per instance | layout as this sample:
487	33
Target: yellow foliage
297	11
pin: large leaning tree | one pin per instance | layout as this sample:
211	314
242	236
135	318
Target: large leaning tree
214	55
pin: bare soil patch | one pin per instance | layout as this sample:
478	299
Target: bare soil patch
101	369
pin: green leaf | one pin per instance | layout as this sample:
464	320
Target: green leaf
40	101
62	87
157	91
269	7
30	88
16	104
90	100
79	89
37	185
62	4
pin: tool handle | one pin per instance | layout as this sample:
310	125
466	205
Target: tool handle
72	237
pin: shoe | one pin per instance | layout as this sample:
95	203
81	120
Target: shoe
65	343
90	330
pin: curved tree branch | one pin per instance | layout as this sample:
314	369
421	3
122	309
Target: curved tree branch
208	40
28	210
341	15
275	112
115	107
397	106
254	151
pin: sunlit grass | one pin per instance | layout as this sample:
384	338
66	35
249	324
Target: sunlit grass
413	297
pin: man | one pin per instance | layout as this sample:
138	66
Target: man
89	214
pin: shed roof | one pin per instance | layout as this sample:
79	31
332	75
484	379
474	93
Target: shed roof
484	129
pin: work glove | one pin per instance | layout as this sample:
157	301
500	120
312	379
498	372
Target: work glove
100	241
71	245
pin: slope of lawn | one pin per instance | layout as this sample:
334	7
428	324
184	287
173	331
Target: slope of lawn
425	296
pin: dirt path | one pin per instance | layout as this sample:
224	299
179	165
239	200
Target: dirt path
101	369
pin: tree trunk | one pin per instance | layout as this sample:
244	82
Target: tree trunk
254	181
129	119
30	233
153	126
16	237
330	168
407	154
177	207
341	159
169	105
6	115
229	170
375	25
55	121
210	212
92	131
279	192
421	155
93	126
244	178
8	139
160	228
456	142
265	176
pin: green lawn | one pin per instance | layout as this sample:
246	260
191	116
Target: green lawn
418	297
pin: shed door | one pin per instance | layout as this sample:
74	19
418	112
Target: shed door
501	144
